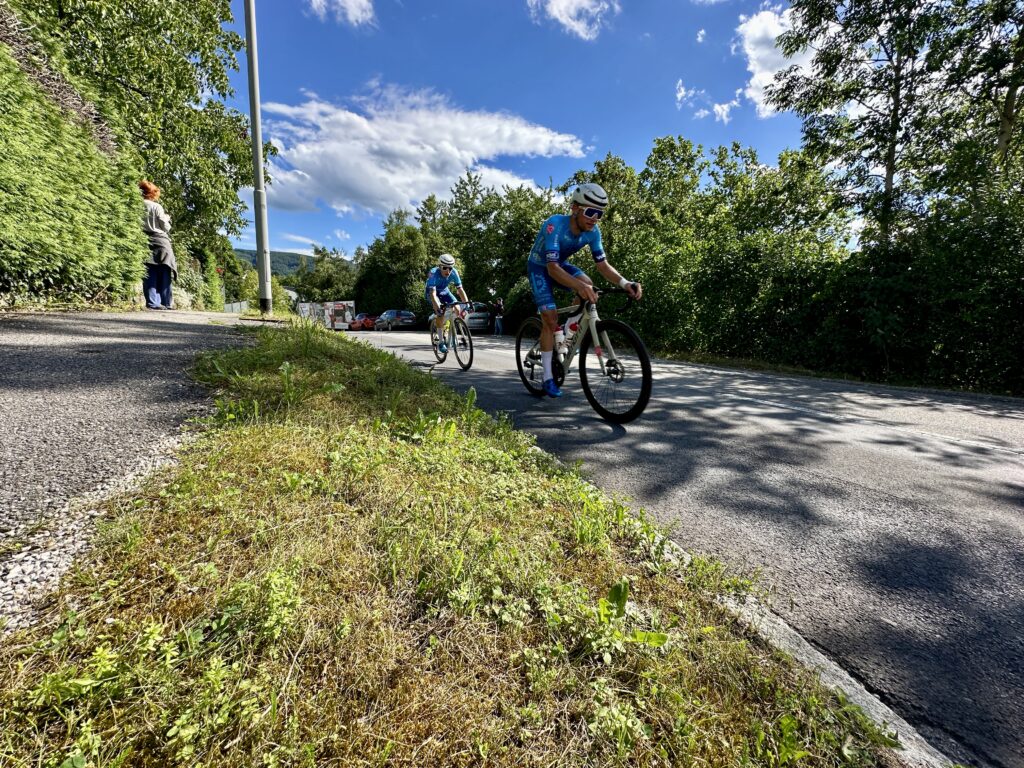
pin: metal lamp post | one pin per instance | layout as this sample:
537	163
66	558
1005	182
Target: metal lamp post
259	197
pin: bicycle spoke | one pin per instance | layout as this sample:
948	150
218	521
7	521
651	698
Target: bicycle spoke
462	340
435	341
619	390
528	360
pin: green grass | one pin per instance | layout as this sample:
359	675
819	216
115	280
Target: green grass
354	566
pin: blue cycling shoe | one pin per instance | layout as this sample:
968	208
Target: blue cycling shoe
551	389
442	348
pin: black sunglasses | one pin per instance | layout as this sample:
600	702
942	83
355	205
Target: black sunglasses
593	213
446	269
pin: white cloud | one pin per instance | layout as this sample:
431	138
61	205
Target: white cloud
700	114
583	18
341	234
701	34
354	12
299	239
687	96
757	38
722	110
394	148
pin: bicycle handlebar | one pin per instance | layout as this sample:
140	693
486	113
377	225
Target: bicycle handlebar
611	289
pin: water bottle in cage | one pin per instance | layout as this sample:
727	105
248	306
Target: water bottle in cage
560	346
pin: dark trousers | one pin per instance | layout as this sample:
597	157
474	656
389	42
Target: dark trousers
156	285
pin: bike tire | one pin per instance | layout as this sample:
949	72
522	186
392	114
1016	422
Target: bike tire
463	341
528	360
621	394
435	340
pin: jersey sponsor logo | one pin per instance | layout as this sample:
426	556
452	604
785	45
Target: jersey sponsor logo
551	228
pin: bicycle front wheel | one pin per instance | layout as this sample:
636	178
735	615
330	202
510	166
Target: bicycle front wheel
435	340
620	392
528	360
463	343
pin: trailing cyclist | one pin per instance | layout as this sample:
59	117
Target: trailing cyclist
547	267
440	280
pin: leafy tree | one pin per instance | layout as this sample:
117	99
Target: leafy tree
430	216
865	100
326	276
394	270
981	55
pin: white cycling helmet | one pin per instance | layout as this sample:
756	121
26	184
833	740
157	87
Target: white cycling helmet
590	196
446	260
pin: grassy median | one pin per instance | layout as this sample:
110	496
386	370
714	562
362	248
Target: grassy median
352	565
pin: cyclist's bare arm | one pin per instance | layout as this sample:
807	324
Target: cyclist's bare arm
462	293
612	275
582	286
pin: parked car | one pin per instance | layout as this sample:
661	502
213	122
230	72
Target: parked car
395	318
479	317
362	322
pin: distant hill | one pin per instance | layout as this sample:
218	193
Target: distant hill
281	262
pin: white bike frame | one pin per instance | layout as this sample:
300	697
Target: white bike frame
588	324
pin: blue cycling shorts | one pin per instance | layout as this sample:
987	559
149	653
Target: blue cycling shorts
542	283
444	297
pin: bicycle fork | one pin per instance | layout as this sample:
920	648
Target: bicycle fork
600	352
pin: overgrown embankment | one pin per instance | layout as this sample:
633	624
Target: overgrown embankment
354	566
69	212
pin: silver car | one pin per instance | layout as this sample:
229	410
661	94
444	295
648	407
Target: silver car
480	317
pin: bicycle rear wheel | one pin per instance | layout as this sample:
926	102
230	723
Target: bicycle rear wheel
528	360
463	343
435	340
620	392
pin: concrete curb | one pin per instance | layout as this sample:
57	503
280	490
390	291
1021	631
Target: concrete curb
913	751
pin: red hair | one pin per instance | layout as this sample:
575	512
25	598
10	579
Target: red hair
150	191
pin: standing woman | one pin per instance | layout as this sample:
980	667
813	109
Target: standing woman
161	267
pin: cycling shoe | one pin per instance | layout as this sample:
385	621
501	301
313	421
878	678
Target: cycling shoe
551	389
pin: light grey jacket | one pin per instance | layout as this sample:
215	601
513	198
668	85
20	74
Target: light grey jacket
157	226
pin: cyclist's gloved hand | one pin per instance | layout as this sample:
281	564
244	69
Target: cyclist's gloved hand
635	290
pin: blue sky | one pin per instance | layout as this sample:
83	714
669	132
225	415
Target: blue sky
375	104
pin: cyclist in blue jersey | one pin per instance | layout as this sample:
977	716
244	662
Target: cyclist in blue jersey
440	281
559	238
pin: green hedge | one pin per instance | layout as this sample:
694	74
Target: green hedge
70	216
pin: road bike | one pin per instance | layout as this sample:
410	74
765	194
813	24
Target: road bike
455	334
615	369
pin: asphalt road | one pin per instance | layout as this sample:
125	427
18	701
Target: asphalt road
86	397
889	522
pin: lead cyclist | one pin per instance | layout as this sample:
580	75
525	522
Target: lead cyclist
547	267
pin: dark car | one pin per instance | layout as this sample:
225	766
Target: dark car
479	317
362	322
395	318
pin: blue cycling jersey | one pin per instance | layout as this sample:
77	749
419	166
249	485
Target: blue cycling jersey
556	243
436	279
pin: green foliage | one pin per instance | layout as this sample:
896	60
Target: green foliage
159	73
69	235
394	270
250	291
325	276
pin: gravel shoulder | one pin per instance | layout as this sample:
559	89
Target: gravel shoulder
89	402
